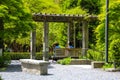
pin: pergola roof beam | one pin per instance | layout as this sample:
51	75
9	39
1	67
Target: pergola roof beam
39	17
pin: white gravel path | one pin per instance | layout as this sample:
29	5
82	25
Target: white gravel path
60	72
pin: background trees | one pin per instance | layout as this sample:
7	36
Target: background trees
17	20
114	28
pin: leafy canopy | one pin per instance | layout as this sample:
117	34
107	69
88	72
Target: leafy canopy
114	24
17	18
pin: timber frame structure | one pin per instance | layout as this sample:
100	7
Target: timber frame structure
65	18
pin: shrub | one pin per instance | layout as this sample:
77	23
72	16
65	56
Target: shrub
19	55
39	56
1	61
115	49
1	78
108	65
95	55
25	55
5	60
65	61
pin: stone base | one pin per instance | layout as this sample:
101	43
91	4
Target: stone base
97	64
80	62
34	66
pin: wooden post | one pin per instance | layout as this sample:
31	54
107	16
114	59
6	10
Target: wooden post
84	38
33	44
74	36
45	41
1	36
68	32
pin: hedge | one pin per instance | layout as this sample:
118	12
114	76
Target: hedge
25	55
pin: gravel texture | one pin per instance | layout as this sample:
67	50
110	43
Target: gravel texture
59	72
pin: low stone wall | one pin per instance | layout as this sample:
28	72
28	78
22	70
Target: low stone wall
97	64
34	66
61	53
80	62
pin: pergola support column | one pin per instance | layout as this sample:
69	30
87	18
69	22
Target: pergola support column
84	38
33	44
74	36
69	31
45	41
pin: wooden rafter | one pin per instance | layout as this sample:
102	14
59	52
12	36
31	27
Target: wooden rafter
39	17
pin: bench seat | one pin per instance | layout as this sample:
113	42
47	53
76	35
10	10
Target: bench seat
39	67
66	52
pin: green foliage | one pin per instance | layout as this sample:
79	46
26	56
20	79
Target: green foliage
100	36
108	65
25	55
1	78
17	19
65	61
57	33
71	7
1	61
19	55
3	10
68	4
3	68
76	10
39	56
114	26
114	22
95	55
92	6
115	49
5	60
43	6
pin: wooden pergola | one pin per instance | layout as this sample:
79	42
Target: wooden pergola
65	18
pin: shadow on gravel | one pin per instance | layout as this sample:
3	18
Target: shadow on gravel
13	68
47	75
50	67
17	68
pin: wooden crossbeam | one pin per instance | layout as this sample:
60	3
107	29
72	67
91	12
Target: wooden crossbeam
40	17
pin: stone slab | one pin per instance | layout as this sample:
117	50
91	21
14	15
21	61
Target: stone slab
97	64
34	66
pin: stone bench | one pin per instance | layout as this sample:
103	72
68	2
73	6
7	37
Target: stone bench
39	67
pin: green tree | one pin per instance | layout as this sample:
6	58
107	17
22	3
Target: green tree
114	26
41	6
16	17
68	4
83	7
92	6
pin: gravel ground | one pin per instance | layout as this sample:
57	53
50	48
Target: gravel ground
60	72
